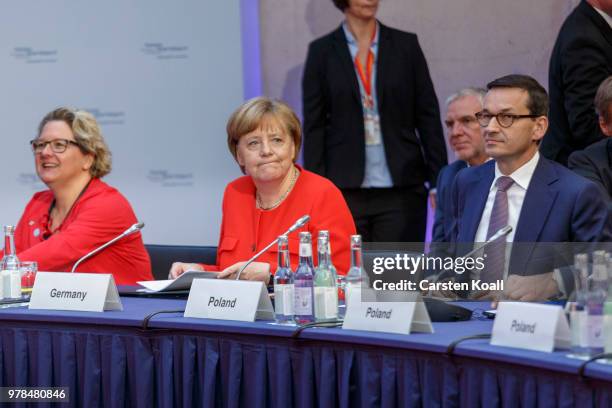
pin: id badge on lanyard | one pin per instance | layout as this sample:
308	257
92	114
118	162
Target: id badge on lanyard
370	117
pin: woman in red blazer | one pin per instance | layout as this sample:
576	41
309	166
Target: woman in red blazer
264	137
79	212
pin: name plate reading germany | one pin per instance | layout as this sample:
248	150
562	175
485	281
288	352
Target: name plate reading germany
397	312
530	326
229	300
86	292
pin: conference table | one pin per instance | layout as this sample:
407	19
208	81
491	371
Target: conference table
141	358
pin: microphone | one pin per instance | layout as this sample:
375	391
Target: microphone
133	229
299	223
502	232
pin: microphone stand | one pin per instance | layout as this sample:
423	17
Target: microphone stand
303	220
134	228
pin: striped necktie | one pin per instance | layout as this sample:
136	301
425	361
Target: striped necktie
496	251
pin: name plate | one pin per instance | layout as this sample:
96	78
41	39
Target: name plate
229	300
530	326
86	292
392	312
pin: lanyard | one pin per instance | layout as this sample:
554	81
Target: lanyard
366	78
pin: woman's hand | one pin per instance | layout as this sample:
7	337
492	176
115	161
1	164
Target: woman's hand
178	268
256	271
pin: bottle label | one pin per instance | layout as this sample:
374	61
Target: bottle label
608	334
15	279
283	299
305	250
595	331
303	301
5	277
326	303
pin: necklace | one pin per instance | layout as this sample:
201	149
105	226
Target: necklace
294	177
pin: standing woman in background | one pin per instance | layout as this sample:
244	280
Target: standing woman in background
79	212
366	93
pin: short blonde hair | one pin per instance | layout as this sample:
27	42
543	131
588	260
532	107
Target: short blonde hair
250	115
87	134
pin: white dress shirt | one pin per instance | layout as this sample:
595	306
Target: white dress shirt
516	196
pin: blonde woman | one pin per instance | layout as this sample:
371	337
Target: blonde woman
78	212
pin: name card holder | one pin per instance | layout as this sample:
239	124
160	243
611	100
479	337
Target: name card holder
85	292
530	326
391	312
229	300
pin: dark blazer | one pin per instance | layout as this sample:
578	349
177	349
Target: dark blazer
595	164
559	206
444	216
334	144
581	59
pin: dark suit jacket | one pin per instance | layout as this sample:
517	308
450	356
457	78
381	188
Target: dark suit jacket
595	164
559	206
444	216
334	144
580	61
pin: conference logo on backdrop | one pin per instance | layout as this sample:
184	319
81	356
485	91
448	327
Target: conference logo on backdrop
108	117
31	181
31	55
161	51
166	178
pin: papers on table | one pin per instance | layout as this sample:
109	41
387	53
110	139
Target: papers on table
183	282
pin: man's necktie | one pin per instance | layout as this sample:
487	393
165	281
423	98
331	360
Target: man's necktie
496	251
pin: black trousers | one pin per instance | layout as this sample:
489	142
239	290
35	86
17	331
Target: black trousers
397	214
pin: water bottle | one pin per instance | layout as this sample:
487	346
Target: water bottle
9	266
356	279
596	297
283	284
578	310
303	305
325	291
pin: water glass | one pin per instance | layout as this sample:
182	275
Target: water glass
28	275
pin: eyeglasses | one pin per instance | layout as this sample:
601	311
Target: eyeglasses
505	120
57	145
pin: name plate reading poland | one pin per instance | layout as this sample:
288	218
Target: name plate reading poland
86	292
402	313
530	326
229	300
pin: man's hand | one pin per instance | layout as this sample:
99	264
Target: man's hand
256	271
530	288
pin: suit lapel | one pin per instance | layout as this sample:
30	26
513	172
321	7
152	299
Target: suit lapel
383	59
598	20
474	204
538	203
344	55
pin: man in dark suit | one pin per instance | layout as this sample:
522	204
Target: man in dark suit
372	122
465	138
581	59
595	162
541	200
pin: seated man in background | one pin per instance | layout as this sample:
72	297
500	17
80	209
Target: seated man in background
541	200
465	138
595	162
264	137
79	212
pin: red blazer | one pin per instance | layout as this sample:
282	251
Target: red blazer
100	214
245	230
